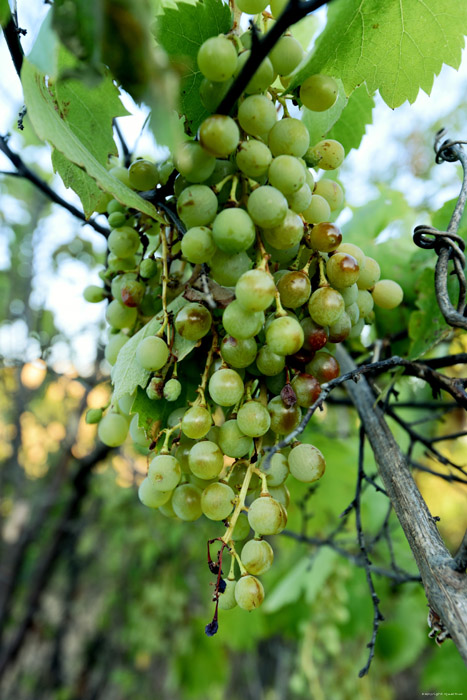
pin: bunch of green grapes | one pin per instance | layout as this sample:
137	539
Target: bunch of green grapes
249	217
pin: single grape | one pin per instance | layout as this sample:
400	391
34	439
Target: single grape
155	389
226	269
281	494
93	415
277	7
325	306
123	242
253	419
284	256
205	460
182	451
349	294
268	362
152	353
197	206
150	496
255	290
226	387
242	324
387	294
143	175
353	313
120	316
167	509
132	293
294	288
300	200
328	155
112	430
249	592
318	211
232	441
165	472
116	264
285	336
113	347
286	234
148	268
287	174
192	161
324	367
355	251
306	388
252	7
357	329
286	55
219	135
342	270
212	93
278	469
289	137
238	353
193	321
315	336
284	418
267	516
340	330
233	230
325	237
253	158
217	501
319	92
263	76
172	389
306	463
241	529
186	502
217	58
198	245
364	302
196	422
369	275
267	206
257	556
94	294
332	193
121	174
115	206
257	115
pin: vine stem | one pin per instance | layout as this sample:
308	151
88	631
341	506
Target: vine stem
227	536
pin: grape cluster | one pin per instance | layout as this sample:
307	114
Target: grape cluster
269	288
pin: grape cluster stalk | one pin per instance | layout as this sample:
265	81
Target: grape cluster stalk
269	288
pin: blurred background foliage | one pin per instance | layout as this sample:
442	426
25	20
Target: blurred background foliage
102	598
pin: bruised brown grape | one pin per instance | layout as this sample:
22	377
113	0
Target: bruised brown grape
294	288
325	237
324	367
284	418
307	389
316	336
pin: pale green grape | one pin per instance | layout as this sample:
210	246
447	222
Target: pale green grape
150	496
387	294
253	419
285	336
286	55
143	175
93	416
233	230
120	316
165	471
332	193
226	387
318	210
226	269
253	158
277	7
257	556
306	463
340	330
267	206
325	306
255	290
242	324
197	206
300	200
94	294
267	516
268	362
369	275
196	422
113	347
252	7
112	429
172	389
186	502
217	58
278	470
353	313
217	501
286	234
198	245
123	242
232	441
287	174
227	598
205	460
192	161
328	155
219	135
289	137
365	302
137	434
249	593
319	92
238	353
262	78
152	353
241	529
257	115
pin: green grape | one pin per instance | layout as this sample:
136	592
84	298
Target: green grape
117	219
306	388
94	294
282	256
267	206
123	242
287	174
267	516
227	598
192	161
387	294
148	268
316	336
241	529
186	502
233	230
212	93
253	419
277	7
193	321
278	469
257	115
369	275
112	430
353	313
332	193
217	501
262	78
306	463
150	496
300	200
143	175
165	472
152	353
121	174
175	417
125	403
197	206
249	593
294	288
165	171
365	302
284	418
357	329
253	158
226	269
217	58
255	290
116	264
325	306
325	237
113	347
232	441
238	353
137	433
327	155
115	206
268	362
318	210
205	460
120	316
286	234
242	324
172	389
340	330
281	494
257	556
252	7
286	55
182	451
342	270
290	137
181	183
198	245
219	135
355	251
226	387
132	293
285	336
155	389
196	422
167	509
93	415
324	367
349	294
319	92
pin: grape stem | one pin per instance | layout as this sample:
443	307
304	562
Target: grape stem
165	280
240	504
322	276
201	401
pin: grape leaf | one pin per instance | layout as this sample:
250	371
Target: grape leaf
395	47
149	412
4	12
319	123
44	53
351	125
78	180
181	31
127	374
51	124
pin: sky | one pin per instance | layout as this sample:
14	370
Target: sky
380	154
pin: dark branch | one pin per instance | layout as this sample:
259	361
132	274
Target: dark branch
14	45
125	150
460	560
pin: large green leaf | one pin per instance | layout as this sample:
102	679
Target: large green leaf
127	373
51	124
78	180
181	31
44	53
351	126
395	47
4	11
